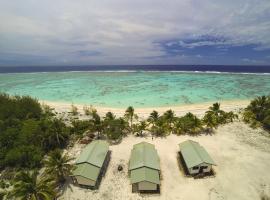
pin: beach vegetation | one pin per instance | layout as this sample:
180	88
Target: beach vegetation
79	127
130	116
29	185
257	113
140	127
168	119
115	128
74	110
96	123
88	110
28	132
58	166
188	124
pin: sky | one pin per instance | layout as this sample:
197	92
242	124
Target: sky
136	32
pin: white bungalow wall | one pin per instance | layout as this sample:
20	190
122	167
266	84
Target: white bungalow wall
195	171
147	186
85	181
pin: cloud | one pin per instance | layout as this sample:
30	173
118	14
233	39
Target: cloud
133	32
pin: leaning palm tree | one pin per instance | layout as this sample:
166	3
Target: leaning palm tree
29	186
58	165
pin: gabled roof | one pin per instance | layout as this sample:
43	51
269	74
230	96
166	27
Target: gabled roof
87	170
94	153
144	155
144	174
194	154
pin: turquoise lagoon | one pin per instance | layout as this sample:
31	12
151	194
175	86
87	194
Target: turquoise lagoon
139	89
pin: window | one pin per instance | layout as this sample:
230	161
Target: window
195	168
203	167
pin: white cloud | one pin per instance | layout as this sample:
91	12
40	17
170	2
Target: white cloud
124	31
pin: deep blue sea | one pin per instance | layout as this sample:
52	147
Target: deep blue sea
194	68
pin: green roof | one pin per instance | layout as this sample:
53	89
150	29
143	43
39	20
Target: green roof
87	170
144	174
194	154
94	153
144	155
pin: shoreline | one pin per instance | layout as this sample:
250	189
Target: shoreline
198	108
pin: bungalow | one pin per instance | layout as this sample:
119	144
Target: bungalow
195	157
91	164
144	168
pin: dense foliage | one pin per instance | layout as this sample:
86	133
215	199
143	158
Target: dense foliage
257	113
27	132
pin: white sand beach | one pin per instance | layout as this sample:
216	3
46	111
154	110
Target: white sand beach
197	109
242	155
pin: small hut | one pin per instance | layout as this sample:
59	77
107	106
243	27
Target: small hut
195	157
91	164
144	168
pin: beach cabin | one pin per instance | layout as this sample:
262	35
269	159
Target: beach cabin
91	164
144	168
195	157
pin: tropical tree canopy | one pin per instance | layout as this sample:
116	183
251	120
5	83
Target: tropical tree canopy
257	113
58	165
29	186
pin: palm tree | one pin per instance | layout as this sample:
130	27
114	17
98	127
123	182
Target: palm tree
57	164
216	112
130	116
169	118
140	127
109	116
56	133
258	112
230	116
259	107
97	124
29	186
153	117
210	121
215	108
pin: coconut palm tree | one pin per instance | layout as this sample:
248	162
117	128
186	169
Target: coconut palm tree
29	186
56	133
130	116
140	127
194	123
153	117
169	118
96	123
257	112
58	165
260	106
217	113
210	121
109	116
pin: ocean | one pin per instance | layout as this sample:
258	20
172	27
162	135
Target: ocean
138	86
